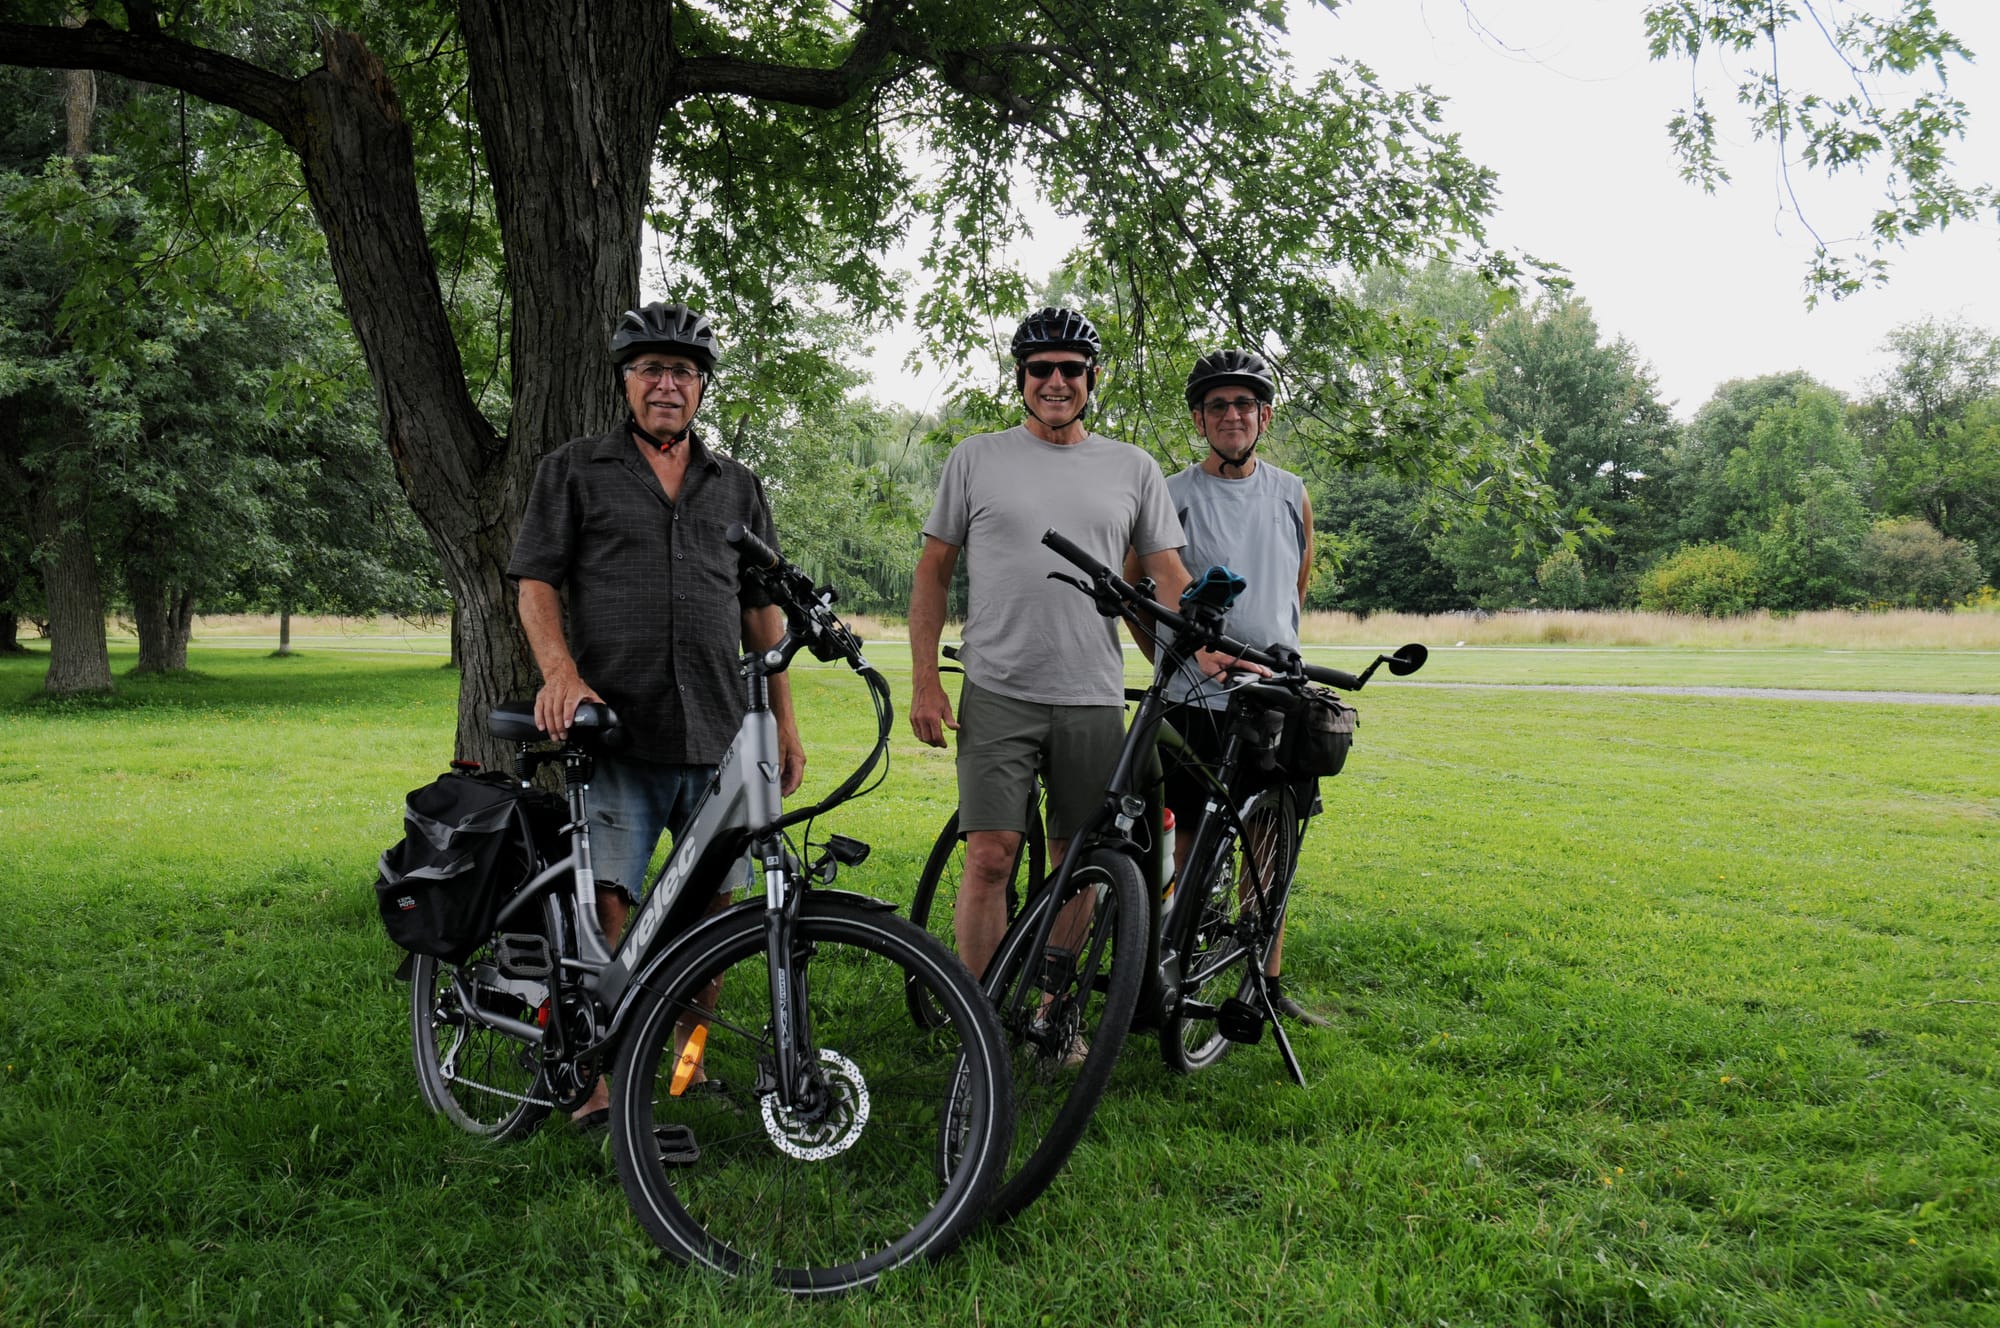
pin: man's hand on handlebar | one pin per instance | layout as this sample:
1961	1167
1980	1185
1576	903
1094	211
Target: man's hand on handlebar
1219	664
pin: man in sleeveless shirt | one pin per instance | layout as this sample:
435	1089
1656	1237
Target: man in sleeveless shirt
1250	516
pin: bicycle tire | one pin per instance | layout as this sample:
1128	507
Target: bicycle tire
898	1168
1043	1010
935	902
1214	961
481	1080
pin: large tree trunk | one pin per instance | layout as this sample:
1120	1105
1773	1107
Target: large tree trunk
284	629
79	660
10	634
164	613
569	158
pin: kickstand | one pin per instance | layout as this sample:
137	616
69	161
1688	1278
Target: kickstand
1260	983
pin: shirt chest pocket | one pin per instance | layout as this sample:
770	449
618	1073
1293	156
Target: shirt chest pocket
704	564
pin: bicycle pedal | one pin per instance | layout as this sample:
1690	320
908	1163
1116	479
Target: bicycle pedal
522	955
1240	1021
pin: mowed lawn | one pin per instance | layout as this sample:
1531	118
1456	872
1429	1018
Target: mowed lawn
1651	1010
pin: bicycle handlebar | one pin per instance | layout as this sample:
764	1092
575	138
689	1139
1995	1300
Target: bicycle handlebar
808	608
811	622
1203	628
752	550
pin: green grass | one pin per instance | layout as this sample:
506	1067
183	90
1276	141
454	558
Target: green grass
1653	1010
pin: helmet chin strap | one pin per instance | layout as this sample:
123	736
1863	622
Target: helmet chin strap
1235	463
665	445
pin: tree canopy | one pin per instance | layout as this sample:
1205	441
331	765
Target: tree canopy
480	175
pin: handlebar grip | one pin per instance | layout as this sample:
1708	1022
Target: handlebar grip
1063	545
749	548
1341	678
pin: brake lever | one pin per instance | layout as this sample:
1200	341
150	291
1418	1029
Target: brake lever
1103	596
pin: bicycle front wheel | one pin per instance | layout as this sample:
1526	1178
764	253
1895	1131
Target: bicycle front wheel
1066	982
935	904
478	1078
1221	933
895	1157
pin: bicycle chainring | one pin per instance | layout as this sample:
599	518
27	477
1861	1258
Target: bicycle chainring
571	1081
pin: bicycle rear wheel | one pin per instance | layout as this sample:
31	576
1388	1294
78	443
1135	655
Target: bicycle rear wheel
1066	982
478	1078
935	903
1215	956
895	1163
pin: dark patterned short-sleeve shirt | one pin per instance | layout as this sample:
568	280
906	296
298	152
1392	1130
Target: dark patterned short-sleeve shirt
654	596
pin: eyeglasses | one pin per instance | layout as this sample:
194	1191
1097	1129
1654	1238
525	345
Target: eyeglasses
652	371
1217	410
1067	368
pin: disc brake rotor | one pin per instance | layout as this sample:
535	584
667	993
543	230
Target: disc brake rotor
835	1131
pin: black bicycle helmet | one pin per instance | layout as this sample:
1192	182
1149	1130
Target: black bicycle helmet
1056	329
672	329
1230	368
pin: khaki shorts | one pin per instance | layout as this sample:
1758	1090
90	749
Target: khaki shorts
1003	742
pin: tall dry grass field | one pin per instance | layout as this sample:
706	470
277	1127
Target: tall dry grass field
1896	629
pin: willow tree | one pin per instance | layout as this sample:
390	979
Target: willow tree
782	151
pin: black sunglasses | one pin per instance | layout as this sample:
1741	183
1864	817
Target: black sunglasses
1067	368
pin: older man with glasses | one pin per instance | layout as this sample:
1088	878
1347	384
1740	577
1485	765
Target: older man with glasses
627	528
1044	672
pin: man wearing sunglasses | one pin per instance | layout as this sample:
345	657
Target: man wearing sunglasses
627	528
1044	672
1248	515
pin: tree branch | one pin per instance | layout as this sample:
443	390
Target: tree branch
151	58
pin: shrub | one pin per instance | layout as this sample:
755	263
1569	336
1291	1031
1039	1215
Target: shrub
1713	580
1562	579
1908	564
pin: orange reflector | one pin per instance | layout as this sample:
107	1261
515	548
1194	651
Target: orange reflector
690	1060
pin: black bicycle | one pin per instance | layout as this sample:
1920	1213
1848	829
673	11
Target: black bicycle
1087	953
774	1109
1212	986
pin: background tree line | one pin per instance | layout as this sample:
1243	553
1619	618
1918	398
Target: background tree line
183	399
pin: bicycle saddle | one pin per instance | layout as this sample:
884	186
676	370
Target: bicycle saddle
594	728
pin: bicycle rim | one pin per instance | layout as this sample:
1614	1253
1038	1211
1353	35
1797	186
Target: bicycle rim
896	1166
1066	1009
481	1080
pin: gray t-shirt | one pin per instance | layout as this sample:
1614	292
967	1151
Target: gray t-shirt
1256	527
1026	636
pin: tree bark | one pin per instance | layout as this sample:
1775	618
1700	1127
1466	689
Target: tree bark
79	659
284	629
164	613
10	634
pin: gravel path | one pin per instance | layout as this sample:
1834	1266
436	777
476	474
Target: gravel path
1736	693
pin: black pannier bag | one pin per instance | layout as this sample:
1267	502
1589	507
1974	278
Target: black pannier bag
471	839
1305	740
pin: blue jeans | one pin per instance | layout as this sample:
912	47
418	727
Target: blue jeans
631	803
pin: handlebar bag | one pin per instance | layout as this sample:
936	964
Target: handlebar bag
470	841
1318	732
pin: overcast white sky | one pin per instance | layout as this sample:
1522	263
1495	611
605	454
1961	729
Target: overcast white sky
1559	98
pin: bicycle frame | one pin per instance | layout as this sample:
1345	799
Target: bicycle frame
742	806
